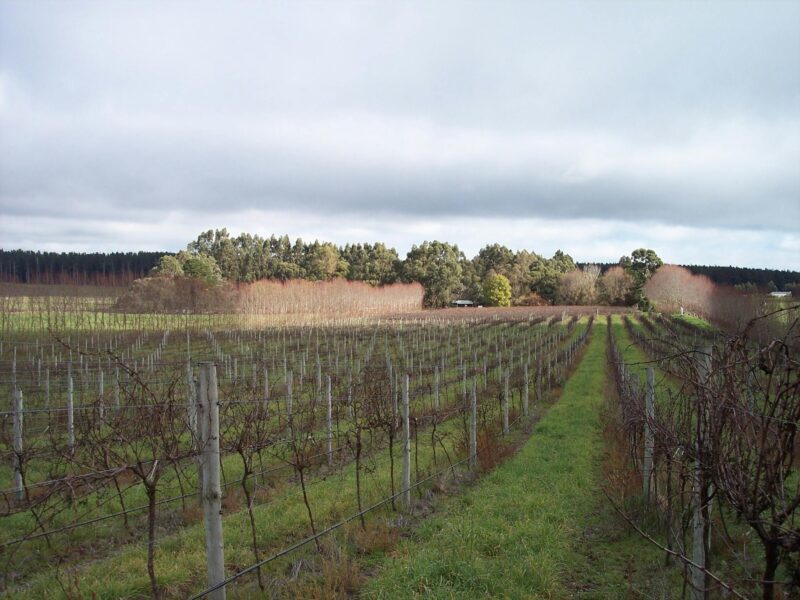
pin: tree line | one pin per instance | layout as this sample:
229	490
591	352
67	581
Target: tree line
743	278
75	268
497	275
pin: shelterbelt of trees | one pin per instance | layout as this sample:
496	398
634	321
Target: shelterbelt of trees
745	279
75	268
495	276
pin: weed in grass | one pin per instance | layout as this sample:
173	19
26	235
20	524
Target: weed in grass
332	578
492	450
375	536
231	499
193	513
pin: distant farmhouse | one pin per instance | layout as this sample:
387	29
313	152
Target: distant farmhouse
463	303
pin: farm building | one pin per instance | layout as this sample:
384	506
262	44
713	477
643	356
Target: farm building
463	303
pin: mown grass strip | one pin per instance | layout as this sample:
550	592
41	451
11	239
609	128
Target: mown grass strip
695	321
538	526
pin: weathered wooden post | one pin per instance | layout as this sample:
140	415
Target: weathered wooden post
549	375
506	429
197	433
101	390
698	575
289	382
633	385
649	415
319	377
473	426
499	368
436	388
350	392
329	418
212	490
701	526
539	382
70	412
406	474
19	492
525	392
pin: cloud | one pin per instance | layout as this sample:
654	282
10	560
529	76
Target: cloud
415	116
104	163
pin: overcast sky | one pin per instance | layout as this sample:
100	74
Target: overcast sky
594	127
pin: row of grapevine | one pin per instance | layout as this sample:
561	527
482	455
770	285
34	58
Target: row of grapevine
106	441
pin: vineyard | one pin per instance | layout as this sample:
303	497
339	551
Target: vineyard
111	443
709	422
182	457
399	300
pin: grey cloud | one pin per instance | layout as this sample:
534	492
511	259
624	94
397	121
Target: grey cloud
671	113
139	172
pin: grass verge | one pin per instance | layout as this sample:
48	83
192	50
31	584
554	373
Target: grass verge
538	526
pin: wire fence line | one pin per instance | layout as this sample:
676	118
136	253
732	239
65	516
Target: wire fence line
472	455
330	529
440	416
512	357
723	430
326	531
161	502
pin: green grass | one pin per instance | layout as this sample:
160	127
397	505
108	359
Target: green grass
120	572
180	558
696	321
35	556
538	526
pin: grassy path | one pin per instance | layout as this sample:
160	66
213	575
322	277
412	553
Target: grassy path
538	526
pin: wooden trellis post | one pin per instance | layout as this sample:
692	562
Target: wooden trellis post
506	428
649	414
19	492
329	418
436	388
101	391
406	475
208	416
70	412
473	425
700	492
289	382
525	392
